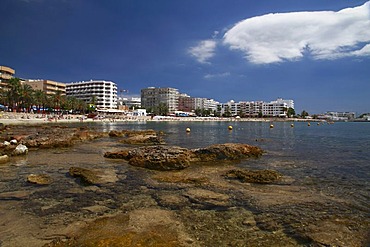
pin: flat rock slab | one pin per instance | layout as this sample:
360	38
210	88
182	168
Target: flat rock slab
41	179
167	158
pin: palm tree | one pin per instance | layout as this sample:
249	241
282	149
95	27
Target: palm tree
13	93
57	100
26	98
40	98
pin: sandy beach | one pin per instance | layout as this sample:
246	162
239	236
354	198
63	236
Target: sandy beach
10	118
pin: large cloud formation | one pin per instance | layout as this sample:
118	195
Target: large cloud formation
277	37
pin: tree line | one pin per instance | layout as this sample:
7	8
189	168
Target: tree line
18	97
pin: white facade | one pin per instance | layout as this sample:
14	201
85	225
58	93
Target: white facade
204	103
105	92
276	108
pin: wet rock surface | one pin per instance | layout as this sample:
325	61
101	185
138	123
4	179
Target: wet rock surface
177	158
41	179
87	176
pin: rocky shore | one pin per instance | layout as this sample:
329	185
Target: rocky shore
129	188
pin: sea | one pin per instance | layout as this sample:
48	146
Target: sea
330	159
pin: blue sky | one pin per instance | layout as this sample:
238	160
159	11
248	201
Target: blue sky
316	52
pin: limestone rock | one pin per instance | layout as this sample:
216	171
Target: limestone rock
227	151
207	197
87	176
122	154
4	158
41	179
143	139
176	158
254	176
160	157
20	150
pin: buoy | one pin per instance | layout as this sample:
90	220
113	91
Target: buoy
230	127
187	129
318	123
308	124
292	125
271	126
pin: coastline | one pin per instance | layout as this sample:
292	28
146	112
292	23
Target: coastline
10	118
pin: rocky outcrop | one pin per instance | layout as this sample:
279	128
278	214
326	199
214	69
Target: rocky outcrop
227	151
176	158
40	179
162	158
121	154
254	176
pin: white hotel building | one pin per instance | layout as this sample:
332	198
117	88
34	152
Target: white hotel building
105	92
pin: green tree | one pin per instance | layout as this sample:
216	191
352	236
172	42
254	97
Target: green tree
227	112
304	114
26	97
198	112
290	112
13	93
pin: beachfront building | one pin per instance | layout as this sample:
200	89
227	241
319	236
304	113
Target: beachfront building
47	86
250	108
186	103
190	104
128	102
277	108
340	116
152	98
206	104
6	73
104	93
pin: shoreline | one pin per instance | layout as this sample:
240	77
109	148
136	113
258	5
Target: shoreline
10	118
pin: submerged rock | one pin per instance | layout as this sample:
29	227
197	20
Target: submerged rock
41	179
208	198
145	137
254	176
87	176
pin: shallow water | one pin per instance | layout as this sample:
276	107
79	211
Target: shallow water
332	161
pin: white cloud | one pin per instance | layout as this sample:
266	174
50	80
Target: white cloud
210	76
204	50
289	36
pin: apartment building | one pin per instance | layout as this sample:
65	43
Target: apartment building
152	97
186	103
47	86
340	116
277	108
6	73
189	104
104	92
